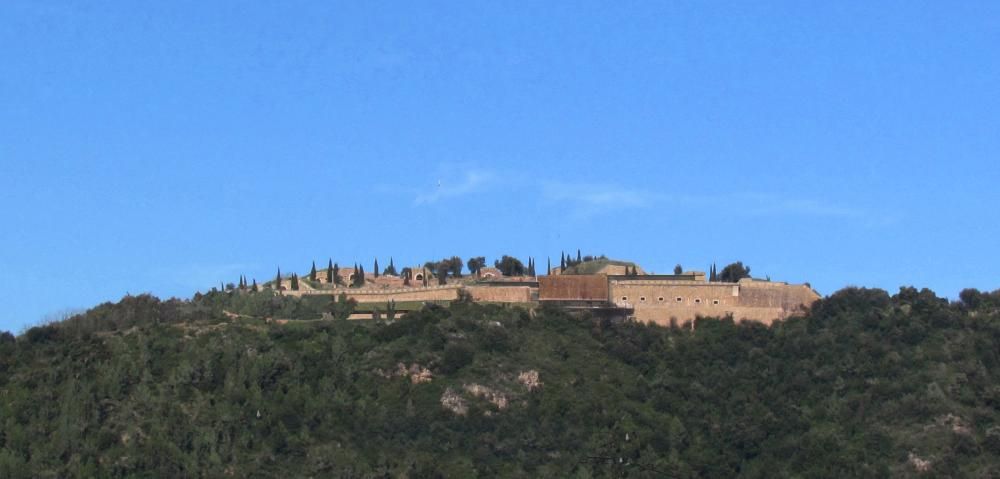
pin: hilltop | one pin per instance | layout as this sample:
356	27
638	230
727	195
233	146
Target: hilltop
864	384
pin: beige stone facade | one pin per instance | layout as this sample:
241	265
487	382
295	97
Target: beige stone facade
660	301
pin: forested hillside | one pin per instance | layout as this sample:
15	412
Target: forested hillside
866	385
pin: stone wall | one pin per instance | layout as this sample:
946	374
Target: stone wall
368	295
572	287
501	294
659	301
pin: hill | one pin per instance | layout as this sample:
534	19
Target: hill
864	385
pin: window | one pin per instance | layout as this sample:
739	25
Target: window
660	299
624	298
715	301
642	299
679	299
697	300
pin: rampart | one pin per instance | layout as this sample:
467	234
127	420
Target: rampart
501	294
371	295
660	301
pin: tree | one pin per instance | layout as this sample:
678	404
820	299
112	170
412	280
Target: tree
277	280
678	269
454	266
329	271
254	287
359	276
424	277
391	269
375	269
342	308
548	263
312	272
734	272
442	272
712	276
509	266
476	264
578	258
390	310
531	267
295	282
407	274
336	274
562	262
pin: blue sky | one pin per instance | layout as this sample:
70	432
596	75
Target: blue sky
165	147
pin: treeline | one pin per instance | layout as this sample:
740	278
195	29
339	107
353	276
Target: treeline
865	384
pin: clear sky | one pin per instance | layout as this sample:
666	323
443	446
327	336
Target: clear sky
167	146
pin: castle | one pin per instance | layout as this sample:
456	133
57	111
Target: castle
605	289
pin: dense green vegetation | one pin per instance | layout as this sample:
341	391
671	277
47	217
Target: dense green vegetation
866	385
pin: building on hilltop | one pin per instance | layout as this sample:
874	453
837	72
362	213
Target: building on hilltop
662	299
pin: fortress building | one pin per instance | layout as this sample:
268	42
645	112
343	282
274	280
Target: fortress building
605	289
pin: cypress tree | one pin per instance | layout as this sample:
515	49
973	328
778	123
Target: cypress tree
329	271
391	269
336	273
312	272
254	287
277	281
562	262
295	282
375	272
579	259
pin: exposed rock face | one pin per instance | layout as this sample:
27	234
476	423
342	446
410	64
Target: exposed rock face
454	402
918	463
495	397
417	373
530	380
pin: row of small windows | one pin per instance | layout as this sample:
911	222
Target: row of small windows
642	299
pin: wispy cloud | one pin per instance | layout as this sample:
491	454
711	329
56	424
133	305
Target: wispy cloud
770	205
470	182
588	199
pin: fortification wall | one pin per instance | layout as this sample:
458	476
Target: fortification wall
659	301
573	288
430	293
501	294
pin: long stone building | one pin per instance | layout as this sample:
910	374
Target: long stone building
660	299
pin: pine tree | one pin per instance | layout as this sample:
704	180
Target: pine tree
277	281
375	270
295	282
329	271
312	272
